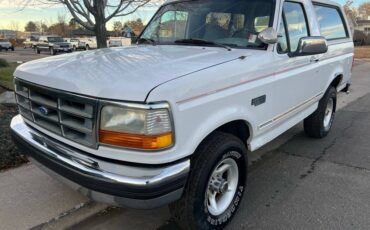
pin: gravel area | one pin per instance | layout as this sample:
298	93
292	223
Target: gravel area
9	154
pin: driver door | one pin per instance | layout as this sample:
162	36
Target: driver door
297	78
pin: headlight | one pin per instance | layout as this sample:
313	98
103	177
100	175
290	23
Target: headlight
135	128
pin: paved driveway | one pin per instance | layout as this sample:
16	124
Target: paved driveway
302	183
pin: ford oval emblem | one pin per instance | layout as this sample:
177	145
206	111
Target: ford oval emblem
44	110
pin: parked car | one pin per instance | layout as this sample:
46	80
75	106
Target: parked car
114	43
172	119
30	42
75	42
88	43
6	45
118	41
52	44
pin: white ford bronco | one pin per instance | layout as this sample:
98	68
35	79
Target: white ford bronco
171	119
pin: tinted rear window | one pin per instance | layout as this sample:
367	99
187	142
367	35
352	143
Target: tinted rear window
331	22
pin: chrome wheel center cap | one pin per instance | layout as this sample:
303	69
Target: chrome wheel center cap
224	187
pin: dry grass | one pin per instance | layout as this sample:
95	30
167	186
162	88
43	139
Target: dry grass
362	52
6	75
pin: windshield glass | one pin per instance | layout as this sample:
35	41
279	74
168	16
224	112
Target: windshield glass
55	39
3	40
235	23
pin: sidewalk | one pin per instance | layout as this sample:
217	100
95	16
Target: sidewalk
29	197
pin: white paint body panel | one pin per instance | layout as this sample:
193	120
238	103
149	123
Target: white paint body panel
205	87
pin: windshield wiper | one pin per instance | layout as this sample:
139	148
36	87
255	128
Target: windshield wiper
146	40
202	42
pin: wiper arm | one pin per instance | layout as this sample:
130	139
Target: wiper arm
146	40
202	42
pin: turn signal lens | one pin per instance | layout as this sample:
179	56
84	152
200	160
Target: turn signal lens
150	142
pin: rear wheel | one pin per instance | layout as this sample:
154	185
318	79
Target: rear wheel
215	186
87	47
37	50
319	123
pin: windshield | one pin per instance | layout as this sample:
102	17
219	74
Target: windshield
55	39
235	23
3	40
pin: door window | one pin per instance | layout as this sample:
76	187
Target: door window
296	23
282	44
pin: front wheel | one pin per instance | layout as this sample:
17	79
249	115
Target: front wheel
319	123
215	186
52	51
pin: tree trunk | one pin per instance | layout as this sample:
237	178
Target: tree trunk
100	24
101	34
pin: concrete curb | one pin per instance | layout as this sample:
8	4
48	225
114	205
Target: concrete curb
73	216
7	98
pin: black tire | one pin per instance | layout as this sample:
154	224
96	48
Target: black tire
12	48
191	211
52	51
314	125
1	48
37	50
87	47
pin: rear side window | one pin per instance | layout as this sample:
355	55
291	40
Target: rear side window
331	22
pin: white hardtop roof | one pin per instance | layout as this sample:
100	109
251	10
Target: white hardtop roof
328	2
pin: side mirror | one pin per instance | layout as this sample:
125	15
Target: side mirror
310	46
268	36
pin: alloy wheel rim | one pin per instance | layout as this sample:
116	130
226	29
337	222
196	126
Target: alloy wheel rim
222	186
328	113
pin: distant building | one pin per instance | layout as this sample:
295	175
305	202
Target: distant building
127	32
8	34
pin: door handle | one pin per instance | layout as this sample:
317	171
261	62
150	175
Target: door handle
314	59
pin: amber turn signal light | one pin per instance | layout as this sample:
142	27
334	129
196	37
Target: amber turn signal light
128	140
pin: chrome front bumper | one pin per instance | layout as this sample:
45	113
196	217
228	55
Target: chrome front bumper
103	180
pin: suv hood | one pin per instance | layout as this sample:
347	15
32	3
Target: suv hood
124	73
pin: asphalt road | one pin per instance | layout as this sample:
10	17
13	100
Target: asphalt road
295	182
22	55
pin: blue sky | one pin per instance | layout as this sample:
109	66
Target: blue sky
11	12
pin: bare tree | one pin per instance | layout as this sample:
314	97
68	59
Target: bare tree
94	14
117	28
14	25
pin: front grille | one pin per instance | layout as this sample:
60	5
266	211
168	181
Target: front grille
68	115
